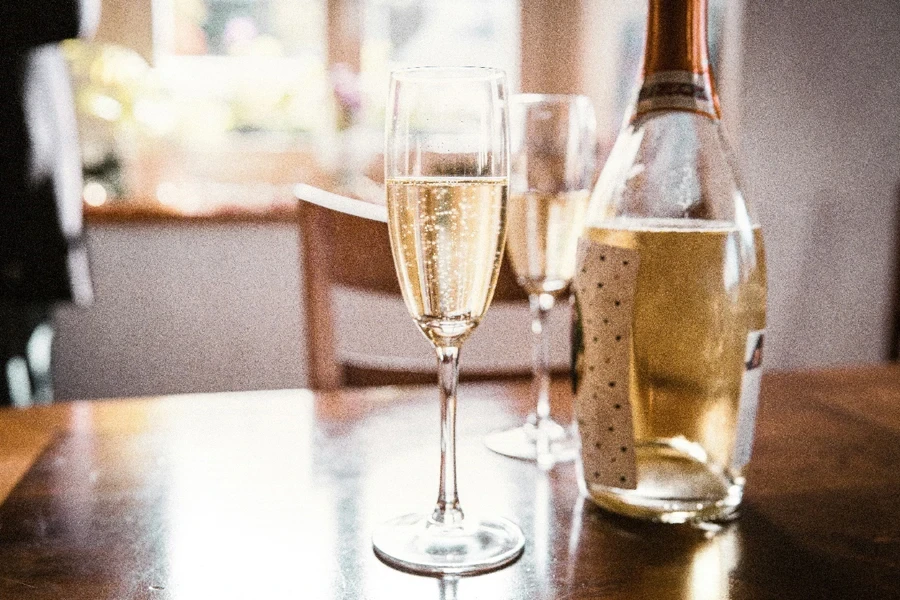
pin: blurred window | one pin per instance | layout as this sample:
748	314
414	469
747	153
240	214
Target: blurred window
399	33
246	66
249	27
267	59
241	91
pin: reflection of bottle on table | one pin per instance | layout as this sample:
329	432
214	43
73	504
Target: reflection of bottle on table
42	254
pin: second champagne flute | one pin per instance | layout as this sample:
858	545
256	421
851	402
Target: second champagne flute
553	156
447	173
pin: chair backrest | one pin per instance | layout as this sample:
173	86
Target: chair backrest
340	249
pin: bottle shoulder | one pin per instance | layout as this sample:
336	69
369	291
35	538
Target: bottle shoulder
670	165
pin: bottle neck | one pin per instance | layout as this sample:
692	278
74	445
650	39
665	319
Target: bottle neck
676	74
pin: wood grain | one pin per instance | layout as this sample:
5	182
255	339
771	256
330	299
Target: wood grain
275	495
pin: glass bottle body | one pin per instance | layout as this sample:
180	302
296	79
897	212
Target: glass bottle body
677	344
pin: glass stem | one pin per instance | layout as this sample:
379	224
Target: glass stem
447	511
541	304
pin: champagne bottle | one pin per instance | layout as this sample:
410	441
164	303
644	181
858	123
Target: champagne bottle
670	293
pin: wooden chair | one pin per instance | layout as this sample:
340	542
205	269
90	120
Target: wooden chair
339	249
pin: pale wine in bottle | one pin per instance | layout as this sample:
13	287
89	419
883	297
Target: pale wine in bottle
670	292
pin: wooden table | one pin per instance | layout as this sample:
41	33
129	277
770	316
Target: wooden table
275	494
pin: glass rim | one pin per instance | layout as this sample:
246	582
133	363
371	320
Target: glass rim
424	73
535	98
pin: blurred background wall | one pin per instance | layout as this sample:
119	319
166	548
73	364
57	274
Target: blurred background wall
812	98
820	151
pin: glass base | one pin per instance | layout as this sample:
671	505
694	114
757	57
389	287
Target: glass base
523	442
417	544
674	486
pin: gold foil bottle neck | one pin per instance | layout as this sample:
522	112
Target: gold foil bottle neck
676	73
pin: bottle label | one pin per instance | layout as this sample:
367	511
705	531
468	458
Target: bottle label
749	401
604	294
676	90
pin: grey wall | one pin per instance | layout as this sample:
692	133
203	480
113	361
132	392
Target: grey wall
184	309
820	150
219	307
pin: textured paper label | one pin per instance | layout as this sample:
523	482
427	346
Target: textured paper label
749	401
604	292
678	90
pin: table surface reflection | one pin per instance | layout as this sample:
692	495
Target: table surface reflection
275	495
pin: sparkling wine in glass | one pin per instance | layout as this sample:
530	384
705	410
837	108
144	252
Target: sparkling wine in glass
447	176
553	140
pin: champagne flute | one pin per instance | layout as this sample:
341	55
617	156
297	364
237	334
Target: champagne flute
447	173
553	155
